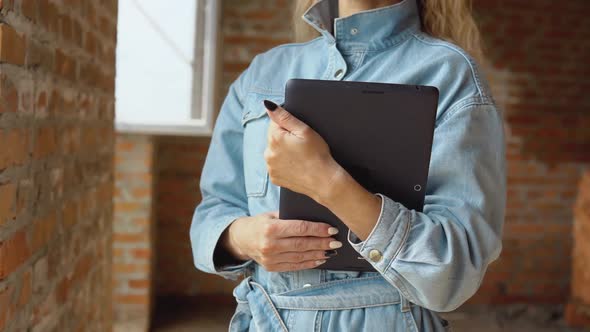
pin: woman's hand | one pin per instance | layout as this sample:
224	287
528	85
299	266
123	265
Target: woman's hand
280	245
297	157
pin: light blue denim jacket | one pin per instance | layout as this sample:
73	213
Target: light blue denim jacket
432	260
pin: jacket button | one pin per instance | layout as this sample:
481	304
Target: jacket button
306	285
338	73
375	255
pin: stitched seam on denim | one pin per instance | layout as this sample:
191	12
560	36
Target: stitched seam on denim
331	283
362	59
390	43
454	48
360	56
319	317
251	96
411	321
318	38
360	306
462	105
265	91
402	242
260	192
328	70
246	118
231	320
290	320
394	280
253	88
272	306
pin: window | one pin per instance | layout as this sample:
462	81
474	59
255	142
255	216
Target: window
166	54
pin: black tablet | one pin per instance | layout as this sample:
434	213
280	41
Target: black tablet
380	133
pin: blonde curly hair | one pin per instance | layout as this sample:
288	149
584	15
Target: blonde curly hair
450	20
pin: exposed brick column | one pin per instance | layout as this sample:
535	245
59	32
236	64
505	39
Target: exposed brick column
133	227
578	309
57	69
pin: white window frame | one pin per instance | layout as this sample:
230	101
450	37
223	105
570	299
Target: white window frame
204	83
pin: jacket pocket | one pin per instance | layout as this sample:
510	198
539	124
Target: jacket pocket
255	122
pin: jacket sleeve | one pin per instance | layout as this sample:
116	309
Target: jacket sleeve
437	258
222	190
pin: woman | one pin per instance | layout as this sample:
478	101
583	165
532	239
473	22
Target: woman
425	261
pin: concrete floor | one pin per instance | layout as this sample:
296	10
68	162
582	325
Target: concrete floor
213	316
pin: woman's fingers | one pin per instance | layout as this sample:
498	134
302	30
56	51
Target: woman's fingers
305	243
283	118
295	257
289	228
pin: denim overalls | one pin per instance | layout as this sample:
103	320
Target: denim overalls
428	261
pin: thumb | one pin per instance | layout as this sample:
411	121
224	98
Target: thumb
283	118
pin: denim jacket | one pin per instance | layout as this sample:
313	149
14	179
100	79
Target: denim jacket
432	260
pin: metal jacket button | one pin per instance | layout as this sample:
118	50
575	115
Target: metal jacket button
375	255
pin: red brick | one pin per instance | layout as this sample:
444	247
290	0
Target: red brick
9	95
7	202
45	142
25	291
65	65
13	147
140	283
12	45
13	252
132	299
66	27
70	214
142	253
29	9
130	238
130	268
6	302
43	230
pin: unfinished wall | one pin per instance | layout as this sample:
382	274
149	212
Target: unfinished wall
57	69
133	238
538	71
539	74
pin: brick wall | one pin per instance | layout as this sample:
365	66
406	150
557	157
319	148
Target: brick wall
538	71
133	230
57	70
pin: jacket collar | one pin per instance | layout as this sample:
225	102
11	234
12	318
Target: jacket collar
372	29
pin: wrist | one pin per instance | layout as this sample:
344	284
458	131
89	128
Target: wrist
335	179
231	240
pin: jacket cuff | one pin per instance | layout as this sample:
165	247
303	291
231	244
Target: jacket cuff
388	236
228	267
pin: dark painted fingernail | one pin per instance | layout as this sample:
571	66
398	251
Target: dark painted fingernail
331	253
270	105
